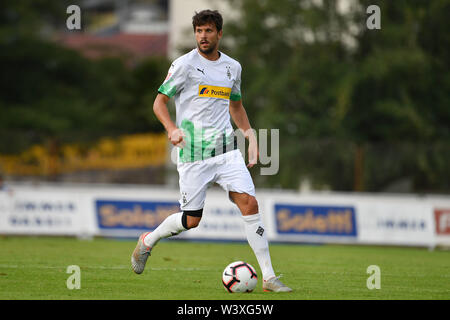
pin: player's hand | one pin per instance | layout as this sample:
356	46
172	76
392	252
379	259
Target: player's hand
176	137
252	153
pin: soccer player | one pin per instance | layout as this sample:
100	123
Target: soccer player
206	86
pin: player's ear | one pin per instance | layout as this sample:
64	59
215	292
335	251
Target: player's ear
220	34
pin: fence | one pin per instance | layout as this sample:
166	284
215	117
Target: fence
86	210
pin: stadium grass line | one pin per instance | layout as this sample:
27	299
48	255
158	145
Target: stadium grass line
104	267
183	270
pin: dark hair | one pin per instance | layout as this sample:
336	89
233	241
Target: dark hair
207	16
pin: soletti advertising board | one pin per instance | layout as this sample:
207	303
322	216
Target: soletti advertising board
129	217
315	222
86	210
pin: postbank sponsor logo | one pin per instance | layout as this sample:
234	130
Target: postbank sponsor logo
113	214
315	220
214	92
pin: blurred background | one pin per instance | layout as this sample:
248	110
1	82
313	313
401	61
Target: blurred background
359	110
364	146
360	96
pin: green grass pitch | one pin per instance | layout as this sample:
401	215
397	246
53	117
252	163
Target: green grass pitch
35	268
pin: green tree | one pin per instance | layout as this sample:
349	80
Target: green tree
294	59
357	109
52	94
398	99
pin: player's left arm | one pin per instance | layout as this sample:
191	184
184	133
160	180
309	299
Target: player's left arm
240	118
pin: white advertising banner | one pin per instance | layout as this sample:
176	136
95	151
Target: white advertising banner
6	200
42	211
395	222
352	218
127	211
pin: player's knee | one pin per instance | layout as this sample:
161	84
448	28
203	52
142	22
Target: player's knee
191	219
250	206
253	206
193	222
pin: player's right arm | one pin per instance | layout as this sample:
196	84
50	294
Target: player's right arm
161	111
172	85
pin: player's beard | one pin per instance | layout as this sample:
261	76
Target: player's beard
209	49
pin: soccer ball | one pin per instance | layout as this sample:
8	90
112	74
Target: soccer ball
239	276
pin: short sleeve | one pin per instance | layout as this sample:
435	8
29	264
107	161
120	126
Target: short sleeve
174	81
236	89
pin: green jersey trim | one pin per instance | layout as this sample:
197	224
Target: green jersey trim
235	96
168	89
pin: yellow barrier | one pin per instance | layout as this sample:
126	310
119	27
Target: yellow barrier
125	152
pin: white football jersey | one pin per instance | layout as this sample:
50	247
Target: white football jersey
202	90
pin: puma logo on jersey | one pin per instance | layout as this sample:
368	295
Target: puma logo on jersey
214	92
201	71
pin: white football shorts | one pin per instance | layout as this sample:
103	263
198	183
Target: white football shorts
228	170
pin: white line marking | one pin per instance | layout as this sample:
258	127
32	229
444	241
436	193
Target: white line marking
120	267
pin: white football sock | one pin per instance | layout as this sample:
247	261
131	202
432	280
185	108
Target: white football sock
171	226
254	229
